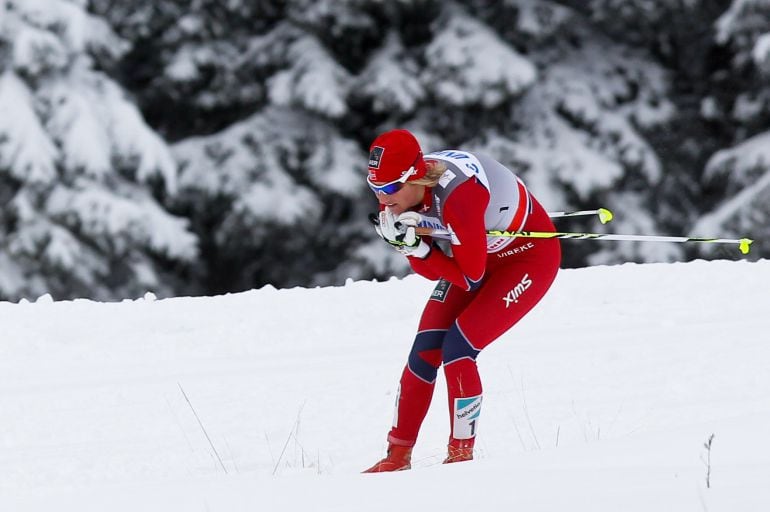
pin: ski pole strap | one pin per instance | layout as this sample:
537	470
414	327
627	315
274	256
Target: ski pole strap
743	243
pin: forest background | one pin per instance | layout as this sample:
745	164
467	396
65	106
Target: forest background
210	146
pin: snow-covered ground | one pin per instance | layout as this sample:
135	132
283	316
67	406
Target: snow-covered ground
601	400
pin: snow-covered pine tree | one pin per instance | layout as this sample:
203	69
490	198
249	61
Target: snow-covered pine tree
717	52
258	103
197	67
573	129
741	173
580	134
544	86
77	164
536	85
272	190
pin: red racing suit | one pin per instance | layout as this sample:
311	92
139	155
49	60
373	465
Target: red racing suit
486	285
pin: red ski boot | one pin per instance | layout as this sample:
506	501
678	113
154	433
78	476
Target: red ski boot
399	458
459	450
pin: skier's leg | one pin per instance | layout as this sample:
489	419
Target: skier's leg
510	291
419	376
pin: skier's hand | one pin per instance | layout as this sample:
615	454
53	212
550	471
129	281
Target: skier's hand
400	232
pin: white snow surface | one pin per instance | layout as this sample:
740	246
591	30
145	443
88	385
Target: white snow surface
602	399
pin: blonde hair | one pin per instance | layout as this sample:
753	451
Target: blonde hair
434	172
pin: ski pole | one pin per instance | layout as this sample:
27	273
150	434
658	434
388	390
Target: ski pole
604	214
743	243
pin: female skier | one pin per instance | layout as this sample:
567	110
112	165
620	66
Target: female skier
485	284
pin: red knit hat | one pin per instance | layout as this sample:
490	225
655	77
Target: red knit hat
392	154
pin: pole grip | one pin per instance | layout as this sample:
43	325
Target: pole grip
425	231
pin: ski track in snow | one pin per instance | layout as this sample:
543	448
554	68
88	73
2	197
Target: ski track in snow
600	400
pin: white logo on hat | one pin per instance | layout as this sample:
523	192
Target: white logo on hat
375	157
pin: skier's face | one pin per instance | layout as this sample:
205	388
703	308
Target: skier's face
409	196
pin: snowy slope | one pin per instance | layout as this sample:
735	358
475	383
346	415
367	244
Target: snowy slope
600	400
